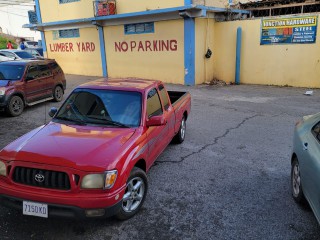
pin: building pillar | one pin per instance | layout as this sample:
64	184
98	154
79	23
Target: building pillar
103	52
189	51
43	40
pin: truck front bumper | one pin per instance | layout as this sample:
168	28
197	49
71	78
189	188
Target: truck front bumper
80	205
65	211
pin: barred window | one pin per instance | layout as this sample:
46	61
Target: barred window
69	33
139	28
68	1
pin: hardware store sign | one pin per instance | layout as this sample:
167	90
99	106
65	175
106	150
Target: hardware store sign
294	30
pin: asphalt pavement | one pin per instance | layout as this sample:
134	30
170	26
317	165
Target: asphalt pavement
230	179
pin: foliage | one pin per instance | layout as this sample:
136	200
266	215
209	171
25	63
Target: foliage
4	41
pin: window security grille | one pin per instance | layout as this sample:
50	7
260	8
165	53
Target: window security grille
69	33
68	1
139	28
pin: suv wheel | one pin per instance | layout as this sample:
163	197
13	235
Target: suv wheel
58	94
15	106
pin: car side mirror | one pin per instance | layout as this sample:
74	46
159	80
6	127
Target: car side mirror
156	121
53	111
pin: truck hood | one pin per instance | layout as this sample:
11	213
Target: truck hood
81	147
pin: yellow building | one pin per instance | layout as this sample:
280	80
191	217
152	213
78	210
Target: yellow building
149	39
176	41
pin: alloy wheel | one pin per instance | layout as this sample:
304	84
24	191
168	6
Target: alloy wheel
133	195
296	180
183	128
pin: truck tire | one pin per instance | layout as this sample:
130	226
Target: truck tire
180	136
15	106
58	94
135	193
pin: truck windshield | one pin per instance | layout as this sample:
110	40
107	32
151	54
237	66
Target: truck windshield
102	107
11	72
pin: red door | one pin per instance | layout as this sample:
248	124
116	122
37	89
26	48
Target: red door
157	139
168	113
35	85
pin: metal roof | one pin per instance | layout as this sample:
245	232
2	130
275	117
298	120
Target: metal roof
259	3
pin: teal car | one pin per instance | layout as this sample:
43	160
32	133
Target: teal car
305	163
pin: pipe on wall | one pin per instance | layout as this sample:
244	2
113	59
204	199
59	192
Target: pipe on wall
238	55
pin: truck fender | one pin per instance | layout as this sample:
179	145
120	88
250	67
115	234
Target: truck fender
128	165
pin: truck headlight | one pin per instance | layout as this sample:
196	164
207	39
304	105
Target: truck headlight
99	181
2	91
3	169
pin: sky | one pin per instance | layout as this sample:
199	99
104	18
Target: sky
14	14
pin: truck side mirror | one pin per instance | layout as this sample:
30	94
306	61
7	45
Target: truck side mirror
156	121
53	111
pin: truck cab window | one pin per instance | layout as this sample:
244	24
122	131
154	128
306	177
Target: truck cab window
154	107
164	97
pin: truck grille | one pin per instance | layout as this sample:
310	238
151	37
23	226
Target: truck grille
41	178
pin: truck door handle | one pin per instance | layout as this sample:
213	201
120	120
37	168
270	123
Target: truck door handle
305	146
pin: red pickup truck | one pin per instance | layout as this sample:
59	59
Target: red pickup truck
91	160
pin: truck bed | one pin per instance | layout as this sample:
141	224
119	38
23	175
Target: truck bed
174	96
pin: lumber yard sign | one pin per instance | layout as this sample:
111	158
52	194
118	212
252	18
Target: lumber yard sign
72	47
294	30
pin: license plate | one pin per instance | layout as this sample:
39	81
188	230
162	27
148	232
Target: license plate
35	209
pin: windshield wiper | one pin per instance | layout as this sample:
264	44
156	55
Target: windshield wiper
78	121
107	121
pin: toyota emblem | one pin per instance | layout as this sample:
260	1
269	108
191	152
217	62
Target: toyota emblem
39	178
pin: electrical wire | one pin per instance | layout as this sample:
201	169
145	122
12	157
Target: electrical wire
12	4
16	10
16	4
14	14
15	1
13	9
17	7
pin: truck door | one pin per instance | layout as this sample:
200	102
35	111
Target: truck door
156	134
168	112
